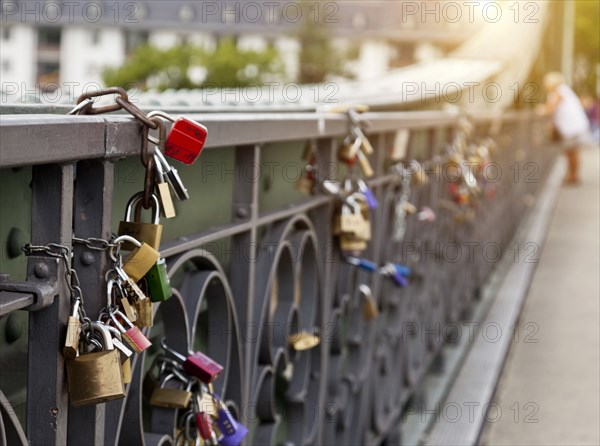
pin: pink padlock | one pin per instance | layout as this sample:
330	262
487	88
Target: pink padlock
197	364
132	334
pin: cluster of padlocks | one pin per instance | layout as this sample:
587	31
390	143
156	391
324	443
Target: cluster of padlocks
176	381
98	353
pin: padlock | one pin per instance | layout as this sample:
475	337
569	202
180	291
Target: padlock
167	207
95	378
186	138
365	143
368	194
390	271
204	426
305	185
132	334
140	260
349	150
303	340
130	288
369	304
233	432
124	353
351	219
112	286
145	311
157	280
206	403
365	264
197	364
173	178
169	397
351	244
365	165
71	347
149	233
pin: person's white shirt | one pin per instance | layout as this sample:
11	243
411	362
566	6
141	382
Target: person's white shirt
569	117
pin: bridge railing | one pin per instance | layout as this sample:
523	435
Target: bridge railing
252	260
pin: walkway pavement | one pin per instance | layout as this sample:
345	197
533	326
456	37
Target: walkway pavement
549	392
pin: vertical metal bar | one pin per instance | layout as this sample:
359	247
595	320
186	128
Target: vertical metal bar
51	222
326	158
242	270
92	218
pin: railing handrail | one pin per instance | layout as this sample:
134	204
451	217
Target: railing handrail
32	139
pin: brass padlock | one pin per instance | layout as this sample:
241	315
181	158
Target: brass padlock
71	347
124	352
169	397
95	378
365	165
352	244
305	185
351	219
140	260
145	312
149	233
303	340
349	149
369	305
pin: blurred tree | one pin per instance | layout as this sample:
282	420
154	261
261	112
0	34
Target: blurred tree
225	66
318	57
587	42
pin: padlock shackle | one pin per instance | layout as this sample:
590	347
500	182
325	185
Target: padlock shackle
160	114
176	354
106	337
365	290
112	315
134	200
127	238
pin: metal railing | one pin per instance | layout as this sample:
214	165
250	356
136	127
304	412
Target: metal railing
242	284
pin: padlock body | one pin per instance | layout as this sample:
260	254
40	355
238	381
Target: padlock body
167	207
202	367
143	232
72	340
94	378
139	262
126	371
145	313
204	425
186	140
128	309
351	243
170	398
370	310
233	432
157	279
136	339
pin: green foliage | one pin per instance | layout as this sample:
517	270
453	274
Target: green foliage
318	57
226	66
587	39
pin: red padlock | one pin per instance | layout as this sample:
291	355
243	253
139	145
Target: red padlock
185	140
197	364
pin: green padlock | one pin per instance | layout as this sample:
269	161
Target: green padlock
157	279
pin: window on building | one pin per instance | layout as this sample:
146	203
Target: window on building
49	37
134	39
5	33
47	75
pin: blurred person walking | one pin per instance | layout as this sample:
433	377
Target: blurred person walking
570	121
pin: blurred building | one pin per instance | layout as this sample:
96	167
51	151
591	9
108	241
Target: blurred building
47	43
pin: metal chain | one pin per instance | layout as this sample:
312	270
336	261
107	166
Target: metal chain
71	278
95	244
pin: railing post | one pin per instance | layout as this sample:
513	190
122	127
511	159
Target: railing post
92	218
51	222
